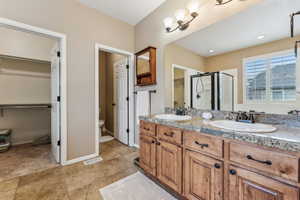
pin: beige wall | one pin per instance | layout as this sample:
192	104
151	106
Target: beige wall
234	59
150	32
174	54
102	84
84	27
32	88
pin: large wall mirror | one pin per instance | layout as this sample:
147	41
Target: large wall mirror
245	62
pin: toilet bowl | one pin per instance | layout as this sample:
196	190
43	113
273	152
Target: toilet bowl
101	123
101	127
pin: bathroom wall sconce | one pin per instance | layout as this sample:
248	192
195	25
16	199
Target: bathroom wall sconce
222	2
180	16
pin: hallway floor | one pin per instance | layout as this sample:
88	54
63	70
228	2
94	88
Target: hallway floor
25	159
73	182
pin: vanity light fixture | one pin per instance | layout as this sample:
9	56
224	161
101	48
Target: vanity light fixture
211	51
222	2
180	16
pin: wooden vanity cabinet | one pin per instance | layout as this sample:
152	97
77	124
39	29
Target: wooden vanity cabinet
148	154
247	185
203	177
198	166
169	165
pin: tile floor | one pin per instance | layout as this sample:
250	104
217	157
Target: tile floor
25	159
73	182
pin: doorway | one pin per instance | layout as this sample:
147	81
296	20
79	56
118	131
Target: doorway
114	96
57	85
29	103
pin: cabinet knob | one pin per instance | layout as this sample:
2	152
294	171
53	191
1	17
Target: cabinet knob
217	166
153	141
158	143
232	172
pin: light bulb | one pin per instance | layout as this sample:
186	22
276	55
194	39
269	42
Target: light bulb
193	6
180	14
168	22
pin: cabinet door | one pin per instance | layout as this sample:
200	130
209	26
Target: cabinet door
169	165
148	154
203	177
247	185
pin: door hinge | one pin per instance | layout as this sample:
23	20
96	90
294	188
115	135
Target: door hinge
58	143
127	98
127	130
127	66
58	54
58	98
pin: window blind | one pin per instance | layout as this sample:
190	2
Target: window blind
271	78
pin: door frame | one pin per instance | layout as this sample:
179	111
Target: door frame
99	47
186	69
62	38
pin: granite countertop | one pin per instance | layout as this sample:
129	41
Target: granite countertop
284	138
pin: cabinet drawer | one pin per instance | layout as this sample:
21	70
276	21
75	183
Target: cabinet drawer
203	143
279	164
147	128
169	134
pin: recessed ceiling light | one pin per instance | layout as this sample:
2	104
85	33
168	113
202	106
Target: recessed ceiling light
260	37
211	51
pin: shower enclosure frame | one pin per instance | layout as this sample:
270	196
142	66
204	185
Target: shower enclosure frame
215	88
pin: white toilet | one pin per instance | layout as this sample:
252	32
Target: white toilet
101	127
106	138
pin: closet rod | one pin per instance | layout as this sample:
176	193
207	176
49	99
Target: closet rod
13	106
21	106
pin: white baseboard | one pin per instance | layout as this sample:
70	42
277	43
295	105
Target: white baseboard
83	158
136	146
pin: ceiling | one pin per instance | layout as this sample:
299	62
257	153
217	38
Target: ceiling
130	11
269	18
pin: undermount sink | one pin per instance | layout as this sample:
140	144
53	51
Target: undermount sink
172	117
243	127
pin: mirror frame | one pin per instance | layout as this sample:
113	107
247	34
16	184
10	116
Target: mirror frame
148	78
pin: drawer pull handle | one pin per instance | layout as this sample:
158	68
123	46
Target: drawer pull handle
232	172
169	134
201	145
217	166
267	162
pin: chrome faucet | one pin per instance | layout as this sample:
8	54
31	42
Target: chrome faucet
242	116
181	111
295	112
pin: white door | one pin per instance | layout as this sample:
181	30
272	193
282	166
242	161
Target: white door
120	96
55	102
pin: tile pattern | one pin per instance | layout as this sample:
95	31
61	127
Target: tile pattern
73	182
25	159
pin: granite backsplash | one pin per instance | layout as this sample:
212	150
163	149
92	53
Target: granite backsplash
276	119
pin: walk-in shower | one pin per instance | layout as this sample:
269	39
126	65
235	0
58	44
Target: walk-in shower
213	90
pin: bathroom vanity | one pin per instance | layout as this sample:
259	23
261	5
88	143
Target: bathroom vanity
197	161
